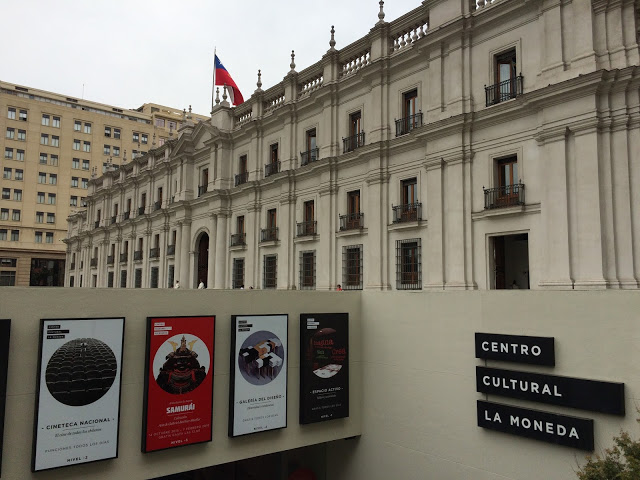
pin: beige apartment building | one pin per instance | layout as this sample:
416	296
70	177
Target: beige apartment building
52	145
462	146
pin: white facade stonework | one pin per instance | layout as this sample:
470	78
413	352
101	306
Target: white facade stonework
430	136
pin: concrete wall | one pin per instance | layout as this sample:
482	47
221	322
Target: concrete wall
419	396
27	306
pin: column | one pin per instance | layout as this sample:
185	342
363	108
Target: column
211	265
185	255
454	223
434	259
131	274
162	264
146	246
285	236
375	218
176	255
551	39
221	251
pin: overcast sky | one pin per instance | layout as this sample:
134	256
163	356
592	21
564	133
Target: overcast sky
130	52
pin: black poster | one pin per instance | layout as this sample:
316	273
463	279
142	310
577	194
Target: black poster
548	427
324	366
594	395
516	348
5	330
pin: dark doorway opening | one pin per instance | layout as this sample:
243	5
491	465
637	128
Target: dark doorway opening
203	259
510	261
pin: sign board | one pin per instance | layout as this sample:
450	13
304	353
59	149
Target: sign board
78	391
178	385
5	331
324	366
516	348
258	389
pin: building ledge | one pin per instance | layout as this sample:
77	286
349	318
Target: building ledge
407	225
306	238
238	248
506	211
269	243
352	232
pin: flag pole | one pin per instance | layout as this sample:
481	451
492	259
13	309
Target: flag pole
213	87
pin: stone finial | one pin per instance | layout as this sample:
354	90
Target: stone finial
332	42
259	82
184	114
189	111
217	95
224	93
381	14
293	63
124	158
153	143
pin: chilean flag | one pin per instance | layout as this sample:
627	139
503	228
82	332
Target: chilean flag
223	78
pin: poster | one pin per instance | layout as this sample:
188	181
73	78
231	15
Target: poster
5	330
178	386
78	391
258	389
324	366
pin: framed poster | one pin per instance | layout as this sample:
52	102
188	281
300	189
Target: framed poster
258	388
324	366
178	382
5	331
77	391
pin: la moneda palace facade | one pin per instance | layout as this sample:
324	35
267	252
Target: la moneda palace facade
465	145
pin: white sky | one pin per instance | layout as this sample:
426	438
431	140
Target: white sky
130	52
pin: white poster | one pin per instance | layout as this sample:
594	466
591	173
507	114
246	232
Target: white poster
78	398
258	374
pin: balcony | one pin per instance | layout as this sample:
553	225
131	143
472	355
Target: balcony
137	255
505	196
405	125
271	168
309	156
410	212
352	221
141	210
171	249
238	239
126	215
154	252
124	257
305	229
110	259
503	91
96	224
202	189
241	178
349	144
157	206
72	266
113	219
269	234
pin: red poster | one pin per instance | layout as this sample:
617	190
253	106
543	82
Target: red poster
178	396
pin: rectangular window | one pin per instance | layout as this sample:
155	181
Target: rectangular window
40	197
408	264
505	75
17	195
116	133
159	122
155	273
3	234
352	267
49	237
353	219
136	137
56	122
8	262
42	177
274	154
51	218
23	115
11	133
110	279
11	113
85	183
71	281
85	164
15	235
19	174
74	182
83	201
44	139
38	237
311	154
240	225
116	151
270	271
238	273
75	163
106	150
86	146
51	199
138	278
107	132
123	279
308	270
6	173
6	193
15	215
145	138
55	141
77	126
39	217
22	135
53	179
411	116
170	276
4	214
7	278
355	125
46	120
8	153
76	144
43	158
73	201
87	128
53	160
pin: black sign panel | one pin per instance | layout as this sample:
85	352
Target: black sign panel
597	396
5	330
548	427
324	366
516	348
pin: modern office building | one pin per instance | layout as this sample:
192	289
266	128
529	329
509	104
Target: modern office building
464	145
52	145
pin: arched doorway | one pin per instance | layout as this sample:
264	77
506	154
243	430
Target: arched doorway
203	259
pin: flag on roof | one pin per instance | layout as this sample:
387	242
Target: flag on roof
222	77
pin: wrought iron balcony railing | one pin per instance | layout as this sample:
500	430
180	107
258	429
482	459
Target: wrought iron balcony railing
269	234
271	168
126	215
124	257
141	210
352	221
238	239
202	189
309	156
137	255
171	249
505	196
157	206
405	125
349	144
110	259
503	91
113	219
154	252
94	262
241	178
306	228
96	224
409	212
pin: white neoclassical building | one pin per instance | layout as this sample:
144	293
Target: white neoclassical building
464	145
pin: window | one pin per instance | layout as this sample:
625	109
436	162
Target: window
86	146
170	275
42	177
75	163
51	218
107	132
17	195
15	215
270	271
240	225
408	264
409	105
110	279
39	217
308	270
40	197
116	133
8	262
106	150
85	183
46	120
19	174
8	153
11	113
145	138
6	193
506	79
6	173
53	179
52	199
20	155
76	144
49	237
55	141
308	226
77	126
136	137
507	171
411	116
311	155
352	267
44	139
74	182
53	160
138	278
356	136
409	209
3	234
160	122
123	279
87	128
43	159
23	115
11	133
38	237
85	164
7	278
22	135
509	190
15	235
155	273
83	201
238	273
73	201
116	151
56	122
4	214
